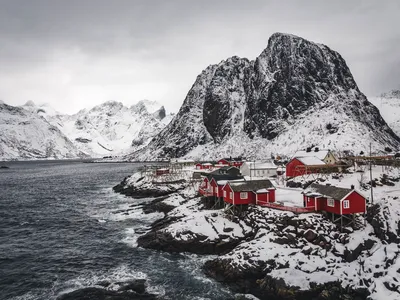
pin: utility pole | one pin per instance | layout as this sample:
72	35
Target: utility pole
370	173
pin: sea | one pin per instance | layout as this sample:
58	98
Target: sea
62	228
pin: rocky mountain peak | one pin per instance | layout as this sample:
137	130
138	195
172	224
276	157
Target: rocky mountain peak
29	103
294	94
160	114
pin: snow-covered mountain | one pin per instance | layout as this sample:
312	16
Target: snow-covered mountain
108	129
389	107
112	128
294	94
25	134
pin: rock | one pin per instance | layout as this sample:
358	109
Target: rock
306	250
310	235
93	293
228	229
4	167
159	239
245	297
138	286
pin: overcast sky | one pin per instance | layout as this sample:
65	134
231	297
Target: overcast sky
75	54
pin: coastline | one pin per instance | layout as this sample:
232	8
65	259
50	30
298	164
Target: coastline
268	253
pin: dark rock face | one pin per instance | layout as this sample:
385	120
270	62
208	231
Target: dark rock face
260	98
158	239
138	192
224	96
257	282
135	289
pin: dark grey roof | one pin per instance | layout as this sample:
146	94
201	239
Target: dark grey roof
334	192
251	186
232	159
224	169
224	177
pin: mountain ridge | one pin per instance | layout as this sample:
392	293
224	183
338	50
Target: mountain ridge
294	94
107	129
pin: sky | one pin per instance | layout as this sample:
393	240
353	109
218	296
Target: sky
76	54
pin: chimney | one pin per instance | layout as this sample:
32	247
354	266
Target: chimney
352	186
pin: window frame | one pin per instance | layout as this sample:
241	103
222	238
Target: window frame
244	195
231	195
224	194
346	204
331	202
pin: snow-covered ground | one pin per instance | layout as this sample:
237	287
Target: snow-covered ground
359	258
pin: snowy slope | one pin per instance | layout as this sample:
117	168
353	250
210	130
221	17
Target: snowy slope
110	128
389	107
26	134
296	93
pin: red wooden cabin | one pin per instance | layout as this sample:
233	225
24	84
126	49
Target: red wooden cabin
233	162
199	166
292	171
207	166
336	200
162	171
245	192
224	162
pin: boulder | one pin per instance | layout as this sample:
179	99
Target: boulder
310	235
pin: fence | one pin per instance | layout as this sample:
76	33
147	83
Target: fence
296	210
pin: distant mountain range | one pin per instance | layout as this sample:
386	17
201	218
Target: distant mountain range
295	94
389	107
38	131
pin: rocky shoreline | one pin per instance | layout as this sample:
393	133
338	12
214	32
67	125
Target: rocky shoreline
273	254
134	289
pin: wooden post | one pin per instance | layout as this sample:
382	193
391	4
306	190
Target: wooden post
341	224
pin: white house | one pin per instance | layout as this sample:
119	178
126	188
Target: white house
258	169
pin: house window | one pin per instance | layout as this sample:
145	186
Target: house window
346	204
231	195
224	194
243	195
331	202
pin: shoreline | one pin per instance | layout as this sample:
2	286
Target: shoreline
268	253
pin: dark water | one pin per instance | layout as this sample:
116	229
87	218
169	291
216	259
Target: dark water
62	228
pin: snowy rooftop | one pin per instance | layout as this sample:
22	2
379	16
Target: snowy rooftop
321	154
253	185
311	160
261	165
334	192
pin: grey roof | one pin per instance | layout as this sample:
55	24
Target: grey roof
334	192
251	186
224	177
225	168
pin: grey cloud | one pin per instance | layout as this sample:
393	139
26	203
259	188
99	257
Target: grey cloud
55	48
